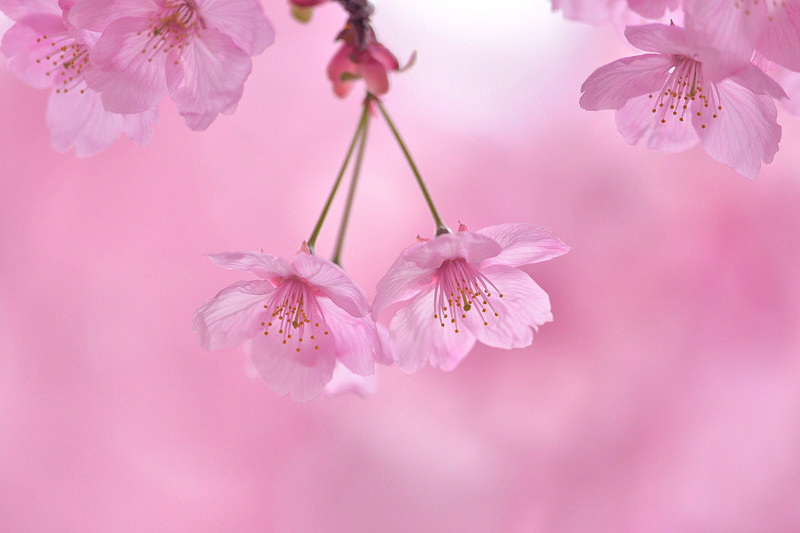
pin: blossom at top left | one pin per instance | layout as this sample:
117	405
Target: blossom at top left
199	50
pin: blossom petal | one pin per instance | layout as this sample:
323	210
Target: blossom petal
97	15
659	38
753	78
652	9
416	337
725	25
333	282
381	54
612	85
375	76
745	133
468	245
636	120
79	120
26	55
207	77
404	280
241	20
233	315
344	381
139	126
781	35
17	9
264	266
590	11
340	64
523	244
523	307
357	342
301	376
130	80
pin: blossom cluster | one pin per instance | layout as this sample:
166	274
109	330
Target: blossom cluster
108	63
303	316
706	80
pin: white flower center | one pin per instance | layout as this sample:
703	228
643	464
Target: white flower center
461	288
68	59
293	309
172	29
683	86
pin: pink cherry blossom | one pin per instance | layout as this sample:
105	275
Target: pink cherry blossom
198	50
442	295
300	317
371	61
45	52
741	26
687	93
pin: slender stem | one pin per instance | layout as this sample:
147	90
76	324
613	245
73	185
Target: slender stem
312	240
441	227
337	254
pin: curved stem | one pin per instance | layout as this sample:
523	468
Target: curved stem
337	254
312	240
441	227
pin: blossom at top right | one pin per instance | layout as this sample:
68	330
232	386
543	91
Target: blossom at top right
688	92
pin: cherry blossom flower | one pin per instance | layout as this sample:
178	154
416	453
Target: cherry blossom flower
443	294
301	317
371	61
686	93
45	52
198	50
739	27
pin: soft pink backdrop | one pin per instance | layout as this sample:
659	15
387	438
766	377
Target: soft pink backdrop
664	397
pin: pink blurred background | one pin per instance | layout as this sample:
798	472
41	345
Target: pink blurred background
664	397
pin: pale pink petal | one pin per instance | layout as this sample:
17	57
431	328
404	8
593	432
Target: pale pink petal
79	120
636	120
385	356
653	9
416	337
139	126
754	79
233	315
404	280
207	77
17	9
264	266
97	15
357	342
375	76
241	20
590	11
728	26
522	244
342	70
612	85
29	60
333	282
302	376
523	307
344	381
659	38
780	41
128	74
745	132
790	81
472	247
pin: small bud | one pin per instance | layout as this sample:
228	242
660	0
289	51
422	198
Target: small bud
301	14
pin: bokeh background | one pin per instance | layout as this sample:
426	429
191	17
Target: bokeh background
665	396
